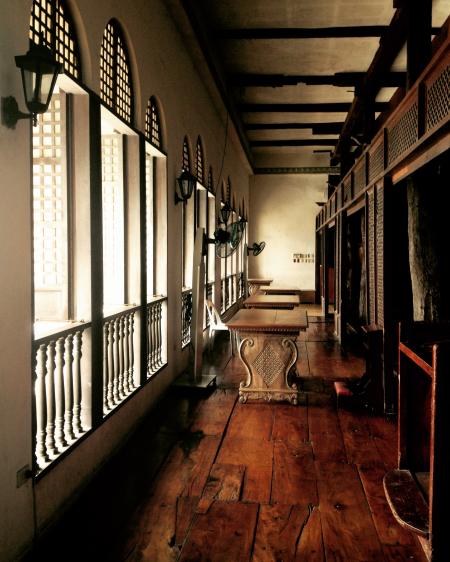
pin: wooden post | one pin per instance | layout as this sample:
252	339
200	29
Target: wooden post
96	259
418	41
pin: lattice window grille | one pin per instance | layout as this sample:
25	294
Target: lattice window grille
403	134
438	99
211	182
360	178
49	214
115	75
376	161
199	162
371	249
347	190
149	202
113	219
152	123
186	156
380	254
50	22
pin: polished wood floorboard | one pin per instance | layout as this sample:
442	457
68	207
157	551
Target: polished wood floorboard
206	478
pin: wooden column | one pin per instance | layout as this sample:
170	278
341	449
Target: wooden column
418	41
95	165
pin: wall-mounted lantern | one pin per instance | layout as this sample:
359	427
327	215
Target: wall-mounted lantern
186	183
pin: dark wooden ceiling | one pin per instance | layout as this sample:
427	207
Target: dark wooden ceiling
300	77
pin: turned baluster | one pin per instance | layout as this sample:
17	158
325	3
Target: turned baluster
121	381
131	351
153	351
106	375
158	336
41	409
150	339
126	358
59	393
77	353
68	390
51	388
111	372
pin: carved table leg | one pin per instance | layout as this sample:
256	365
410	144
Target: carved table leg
268	358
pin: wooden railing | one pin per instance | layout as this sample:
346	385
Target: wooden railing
119	334
422	112
62	407
186	316
156	345
223	294
209	295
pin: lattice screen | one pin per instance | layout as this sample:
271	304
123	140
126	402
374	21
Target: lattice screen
50	23
115	74
152	123
438	99
376	161
403	134
199	161
360	177
371	254
113	219
210	186
186	156
380	253
49	201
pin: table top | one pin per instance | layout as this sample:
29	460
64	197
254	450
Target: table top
282	290
260	281
269	320
272	300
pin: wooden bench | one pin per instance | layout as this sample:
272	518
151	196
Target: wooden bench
418	490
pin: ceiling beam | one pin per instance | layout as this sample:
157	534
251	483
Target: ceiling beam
340	79
304	32
317	128
301	107
294	142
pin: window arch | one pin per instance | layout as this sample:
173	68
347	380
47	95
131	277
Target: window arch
115	72
228	191
199	161
51	24
186	155
153	123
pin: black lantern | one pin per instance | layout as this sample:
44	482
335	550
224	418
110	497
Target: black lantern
225	212
186	183
39	71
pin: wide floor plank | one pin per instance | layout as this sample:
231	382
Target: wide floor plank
348	529
224	534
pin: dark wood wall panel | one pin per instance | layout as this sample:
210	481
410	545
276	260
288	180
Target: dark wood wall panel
379	245
371	260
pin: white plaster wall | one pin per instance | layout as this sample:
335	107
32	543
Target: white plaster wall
161	67
282	213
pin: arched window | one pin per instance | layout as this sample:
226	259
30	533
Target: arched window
153	123
186	155
199	162
51	24
115	73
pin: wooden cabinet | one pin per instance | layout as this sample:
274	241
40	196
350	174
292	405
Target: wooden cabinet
418	491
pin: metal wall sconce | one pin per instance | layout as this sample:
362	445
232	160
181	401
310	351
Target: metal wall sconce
39	71
225	212
186	183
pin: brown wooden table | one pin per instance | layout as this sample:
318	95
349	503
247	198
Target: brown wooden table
268	351
280	290
255	284
272	301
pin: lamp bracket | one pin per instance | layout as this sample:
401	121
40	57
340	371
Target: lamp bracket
11	113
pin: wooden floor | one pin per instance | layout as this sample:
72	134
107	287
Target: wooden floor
210	479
